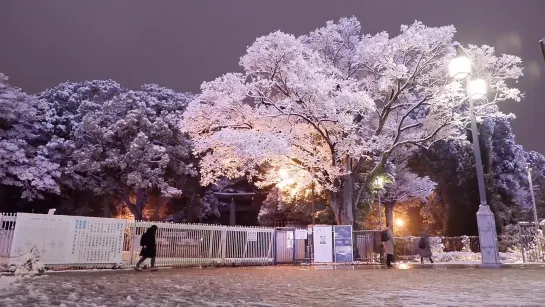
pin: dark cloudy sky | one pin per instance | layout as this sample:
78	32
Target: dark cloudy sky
180	43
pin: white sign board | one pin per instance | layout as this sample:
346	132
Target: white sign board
251	236
301	234
323	244
64	239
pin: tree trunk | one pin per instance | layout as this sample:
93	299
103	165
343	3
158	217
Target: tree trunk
138	207
106	208
389	212
342	202
348	200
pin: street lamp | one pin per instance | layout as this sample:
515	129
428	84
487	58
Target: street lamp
461	68
286	180
536	221
476	89
542	44
313	199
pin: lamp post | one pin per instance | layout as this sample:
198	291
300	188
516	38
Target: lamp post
536	221
313	204
542	43
461	68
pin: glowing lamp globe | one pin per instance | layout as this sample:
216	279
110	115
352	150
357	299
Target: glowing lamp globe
283	173
476	89
459	67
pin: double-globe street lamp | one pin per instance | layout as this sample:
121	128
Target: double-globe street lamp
461	68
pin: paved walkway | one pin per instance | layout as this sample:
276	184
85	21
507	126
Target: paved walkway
284	286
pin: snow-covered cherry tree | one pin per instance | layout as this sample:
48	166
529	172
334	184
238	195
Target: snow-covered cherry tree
22	160
332	106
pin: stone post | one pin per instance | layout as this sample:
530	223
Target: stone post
488	238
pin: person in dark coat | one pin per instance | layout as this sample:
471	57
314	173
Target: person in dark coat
424	248
389	245
149	249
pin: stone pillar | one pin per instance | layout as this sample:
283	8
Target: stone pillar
488	238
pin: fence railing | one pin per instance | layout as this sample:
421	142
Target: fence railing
202	245
367	246
86	242
7	225
521	248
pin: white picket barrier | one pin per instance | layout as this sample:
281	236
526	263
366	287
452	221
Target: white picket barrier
87	242
202	245
7	227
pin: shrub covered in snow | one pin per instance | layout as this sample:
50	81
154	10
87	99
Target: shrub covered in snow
30	263
466	244
436	245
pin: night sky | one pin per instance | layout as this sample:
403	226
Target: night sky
180	43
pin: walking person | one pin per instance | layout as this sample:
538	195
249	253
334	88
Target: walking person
149	249
388	241
424	248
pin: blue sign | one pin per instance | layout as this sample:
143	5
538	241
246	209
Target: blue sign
343	244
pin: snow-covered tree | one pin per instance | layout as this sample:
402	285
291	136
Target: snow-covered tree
505	169
283	207
64	107
23	163
452	166
332	106
407	185
131	146
537	162
116	142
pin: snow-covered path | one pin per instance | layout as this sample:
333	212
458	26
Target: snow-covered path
283	286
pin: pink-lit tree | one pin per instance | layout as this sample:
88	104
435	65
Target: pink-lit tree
331	107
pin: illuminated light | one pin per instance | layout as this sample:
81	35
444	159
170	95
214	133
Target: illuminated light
459	67
476	89
380	182
400	222
283	173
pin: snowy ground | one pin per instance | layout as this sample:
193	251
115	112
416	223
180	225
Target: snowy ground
283	286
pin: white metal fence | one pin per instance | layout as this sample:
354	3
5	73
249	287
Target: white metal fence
7	225
202	245
87	242
521	248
